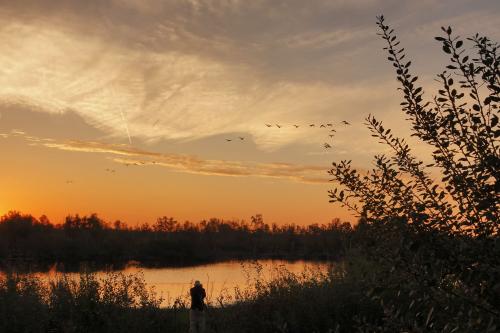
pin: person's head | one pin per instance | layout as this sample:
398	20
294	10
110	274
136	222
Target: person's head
197	283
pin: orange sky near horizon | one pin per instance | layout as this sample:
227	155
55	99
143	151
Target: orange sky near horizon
35	177
124	108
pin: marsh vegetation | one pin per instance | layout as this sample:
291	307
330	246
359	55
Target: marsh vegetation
424	257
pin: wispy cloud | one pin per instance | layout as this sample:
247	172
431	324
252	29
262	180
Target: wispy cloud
186	70
135	157
195	165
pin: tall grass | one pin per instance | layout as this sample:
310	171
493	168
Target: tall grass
113	303
313	301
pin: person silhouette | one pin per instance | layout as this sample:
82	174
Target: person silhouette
197	311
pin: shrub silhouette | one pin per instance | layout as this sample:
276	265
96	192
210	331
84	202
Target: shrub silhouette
437	241
114	303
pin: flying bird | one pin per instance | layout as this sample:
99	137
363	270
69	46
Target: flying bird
322	125
269	125
241	138
329	124
333	130
296	126
327	146
345	122
312	125
229	140
332	135
279	126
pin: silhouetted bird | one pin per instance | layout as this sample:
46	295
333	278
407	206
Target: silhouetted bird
269	125
279	126
333	130
229	140
296	126
345	122
329	125
312	125
327	146
322	125
241	138
332	135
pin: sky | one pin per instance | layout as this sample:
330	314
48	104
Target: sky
125	107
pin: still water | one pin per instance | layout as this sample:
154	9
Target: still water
218	278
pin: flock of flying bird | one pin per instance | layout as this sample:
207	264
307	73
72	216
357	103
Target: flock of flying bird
326	145
112	171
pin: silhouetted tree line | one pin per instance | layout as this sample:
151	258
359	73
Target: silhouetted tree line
26	239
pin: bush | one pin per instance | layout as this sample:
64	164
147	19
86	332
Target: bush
436	243
115	303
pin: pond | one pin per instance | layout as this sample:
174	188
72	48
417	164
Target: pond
217	278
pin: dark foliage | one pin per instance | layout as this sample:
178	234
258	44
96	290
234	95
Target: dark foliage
25	239
311	302
436	243
117	303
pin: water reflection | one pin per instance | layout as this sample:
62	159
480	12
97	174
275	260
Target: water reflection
218	278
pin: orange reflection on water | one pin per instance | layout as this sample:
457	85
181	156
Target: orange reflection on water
219	279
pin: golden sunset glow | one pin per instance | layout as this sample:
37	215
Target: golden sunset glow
139	109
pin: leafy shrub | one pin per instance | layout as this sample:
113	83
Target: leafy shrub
437	243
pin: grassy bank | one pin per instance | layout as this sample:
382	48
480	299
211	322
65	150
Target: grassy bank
357	296
309	302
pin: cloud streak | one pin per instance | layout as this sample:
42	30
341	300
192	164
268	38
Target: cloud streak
131	156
